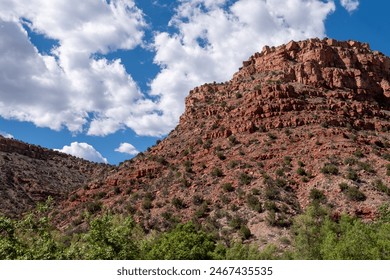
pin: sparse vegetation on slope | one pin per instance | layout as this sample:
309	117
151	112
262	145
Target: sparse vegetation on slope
315	235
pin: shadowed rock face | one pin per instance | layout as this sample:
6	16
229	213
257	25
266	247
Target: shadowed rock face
307	115
30	174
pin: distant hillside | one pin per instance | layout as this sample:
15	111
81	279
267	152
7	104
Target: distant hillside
30	174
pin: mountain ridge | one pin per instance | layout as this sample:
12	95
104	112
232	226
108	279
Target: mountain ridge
306	121
30	174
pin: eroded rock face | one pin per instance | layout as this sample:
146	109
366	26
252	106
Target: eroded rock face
342	83
256	146
306	115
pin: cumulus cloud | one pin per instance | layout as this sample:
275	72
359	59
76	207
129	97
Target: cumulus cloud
72	83
83	150
350	5
127	148
6	135
72	86
214	37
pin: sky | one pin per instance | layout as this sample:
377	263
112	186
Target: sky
105	79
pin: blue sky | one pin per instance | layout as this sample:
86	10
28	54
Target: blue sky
104	80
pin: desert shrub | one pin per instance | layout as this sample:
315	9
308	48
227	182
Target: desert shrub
234	207
352	175
352	192
355	194
178	203
130	208
305	179
279	171
236	222
161	160
225	200
271	193
245	232
343	186
100	195
216	172
232	164
197	199
221	155
271	206
94	206
358	154
245	178
330	168
301	171
277	219
280	182
117	190
366	167
233	140
350	161
207	144
272	136
317	195
147	203
201	211
255	191
188	166
380	186
227	187
74	197
254	203
287	160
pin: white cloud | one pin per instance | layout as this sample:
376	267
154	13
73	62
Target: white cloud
127	148
350	5
72	87
83	150
214	37
70	84
6	135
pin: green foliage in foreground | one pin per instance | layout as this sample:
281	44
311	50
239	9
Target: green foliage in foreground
315	236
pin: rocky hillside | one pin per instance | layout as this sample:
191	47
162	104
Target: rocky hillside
30	174
302	122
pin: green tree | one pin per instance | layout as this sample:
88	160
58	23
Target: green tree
31	237
239	251
108	238
308	232
349	238
10	246
184	242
